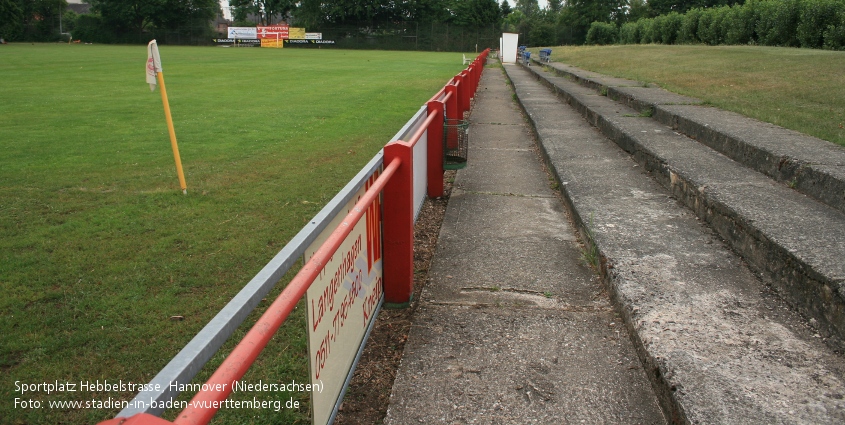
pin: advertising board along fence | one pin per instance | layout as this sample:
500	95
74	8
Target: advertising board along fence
396	187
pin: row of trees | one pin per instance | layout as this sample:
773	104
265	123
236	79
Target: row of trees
560	22
313	13
568	22
792	23
30	19
111	20
128	20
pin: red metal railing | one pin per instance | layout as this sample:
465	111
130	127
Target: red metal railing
396	182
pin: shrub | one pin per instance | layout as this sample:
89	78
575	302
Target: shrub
543	34
705	31
688	33
602	33
777	22
91	29
834	35
740	22
629	33
656	28
670	27
645	30
814	18
721	22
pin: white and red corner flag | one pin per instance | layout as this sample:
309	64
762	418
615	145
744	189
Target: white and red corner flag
153	64
153	74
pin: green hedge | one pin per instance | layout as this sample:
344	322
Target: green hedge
815	17
792	23
602	33
629	33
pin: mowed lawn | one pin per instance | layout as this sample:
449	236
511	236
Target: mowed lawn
98	247
801	89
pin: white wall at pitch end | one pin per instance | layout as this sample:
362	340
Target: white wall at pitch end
510	42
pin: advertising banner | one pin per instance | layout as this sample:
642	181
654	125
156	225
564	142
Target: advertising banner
273	31
341	304
313	36
241	33
309	43
297	34
272	42
234	42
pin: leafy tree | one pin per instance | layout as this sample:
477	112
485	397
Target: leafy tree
36	20
602	33
11	20
528	7
477	13
514	21
506	9
638	9
662	7
580	14
427	10
124	16
268	11
135	16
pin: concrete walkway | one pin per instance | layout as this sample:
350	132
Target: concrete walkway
512	327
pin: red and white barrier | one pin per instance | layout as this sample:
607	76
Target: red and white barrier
397	186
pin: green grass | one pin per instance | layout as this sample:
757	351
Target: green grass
801	89
99	248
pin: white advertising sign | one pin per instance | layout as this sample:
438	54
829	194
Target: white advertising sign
242	33
313	36
341	303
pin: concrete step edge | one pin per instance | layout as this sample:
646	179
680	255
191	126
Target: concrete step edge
789	168
671	390
811	291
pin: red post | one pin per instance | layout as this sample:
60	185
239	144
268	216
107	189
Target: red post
398	227
453	113
463	101
470	78
435	149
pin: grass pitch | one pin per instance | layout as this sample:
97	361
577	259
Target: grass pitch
800	89
99	248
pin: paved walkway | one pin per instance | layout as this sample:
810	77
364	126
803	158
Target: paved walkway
512	327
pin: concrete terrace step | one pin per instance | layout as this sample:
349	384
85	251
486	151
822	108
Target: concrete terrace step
794	241
512	327
808	164
718	344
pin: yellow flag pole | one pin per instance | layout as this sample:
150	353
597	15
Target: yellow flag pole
160	78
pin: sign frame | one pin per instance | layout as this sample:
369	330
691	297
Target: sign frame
348	291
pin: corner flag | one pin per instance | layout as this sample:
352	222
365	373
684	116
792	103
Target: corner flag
153	64
154	75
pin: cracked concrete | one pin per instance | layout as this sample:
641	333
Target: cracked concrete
718	344
513	327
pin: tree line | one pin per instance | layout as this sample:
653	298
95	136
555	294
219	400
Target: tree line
789	23
111	21
560	22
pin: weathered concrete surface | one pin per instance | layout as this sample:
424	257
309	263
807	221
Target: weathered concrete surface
512	327
720	347
808	164
798	246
